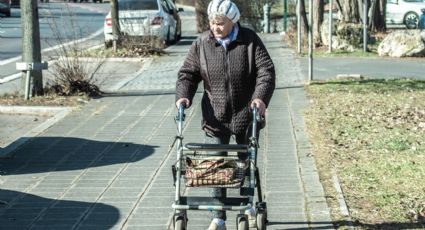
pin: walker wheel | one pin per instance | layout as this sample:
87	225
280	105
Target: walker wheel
180	222
261	220
179	225
261	217
242	222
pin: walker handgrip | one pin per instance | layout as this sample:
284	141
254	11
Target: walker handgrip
180	116
254	120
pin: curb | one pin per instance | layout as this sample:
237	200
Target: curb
56	113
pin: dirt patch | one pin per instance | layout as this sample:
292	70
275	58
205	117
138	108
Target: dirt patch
47	100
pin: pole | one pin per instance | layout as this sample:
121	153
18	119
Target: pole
330	24
31	51
27	84
365	27
266	11
299	26
115	23
310	41
285	15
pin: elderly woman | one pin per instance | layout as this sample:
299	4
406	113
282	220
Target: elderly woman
237	73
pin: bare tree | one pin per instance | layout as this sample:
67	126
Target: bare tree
115	22
378	14
350	11
201	15
303	14
318	10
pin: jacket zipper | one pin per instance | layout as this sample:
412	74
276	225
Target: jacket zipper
229	85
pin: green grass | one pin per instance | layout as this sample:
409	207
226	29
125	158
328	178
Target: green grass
372	133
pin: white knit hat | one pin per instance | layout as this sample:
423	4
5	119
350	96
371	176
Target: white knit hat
223	8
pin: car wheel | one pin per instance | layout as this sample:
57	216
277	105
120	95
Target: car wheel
179	35
168	38
176	36
411	20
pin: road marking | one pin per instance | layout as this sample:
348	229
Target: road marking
14	59
10	78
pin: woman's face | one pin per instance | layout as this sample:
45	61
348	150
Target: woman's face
221	26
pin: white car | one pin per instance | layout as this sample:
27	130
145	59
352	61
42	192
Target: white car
143	18
405	12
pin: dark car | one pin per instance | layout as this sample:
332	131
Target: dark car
5	7
15	3
101	1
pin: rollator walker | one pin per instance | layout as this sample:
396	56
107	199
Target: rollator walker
200	169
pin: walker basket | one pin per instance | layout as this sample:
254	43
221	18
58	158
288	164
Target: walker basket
214	172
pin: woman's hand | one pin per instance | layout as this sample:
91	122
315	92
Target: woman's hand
261	107
184	101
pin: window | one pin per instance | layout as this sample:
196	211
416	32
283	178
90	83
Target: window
137	5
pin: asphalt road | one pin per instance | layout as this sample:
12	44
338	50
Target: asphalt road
371	68
60	23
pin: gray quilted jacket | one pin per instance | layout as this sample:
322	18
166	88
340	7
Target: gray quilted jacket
231	79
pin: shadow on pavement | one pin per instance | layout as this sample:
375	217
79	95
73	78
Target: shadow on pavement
24	211
139	93
348	225
184	43
49	154
190	37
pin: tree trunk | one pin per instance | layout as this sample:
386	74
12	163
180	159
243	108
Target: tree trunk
304	21
377	20
115	17
351	11
115	23
318	10
201	15
338	5
31	49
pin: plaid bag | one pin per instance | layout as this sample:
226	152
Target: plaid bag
214	172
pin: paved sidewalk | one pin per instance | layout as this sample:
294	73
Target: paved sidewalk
107	166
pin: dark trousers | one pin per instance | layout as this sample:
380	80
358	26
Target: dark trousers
221	192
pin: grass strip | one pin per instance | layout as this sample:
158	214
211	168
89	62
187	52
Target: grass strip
372	134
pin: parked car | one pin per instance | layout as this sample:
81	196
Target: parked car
15	3
5	7
145	18
405	12
95	1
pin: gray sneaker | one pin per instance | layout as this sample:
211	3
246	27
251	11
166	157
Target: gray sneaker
215	226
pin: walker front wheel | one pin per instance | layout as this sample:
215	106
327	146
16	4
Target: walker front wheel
242	222
180	222
179	225
261	221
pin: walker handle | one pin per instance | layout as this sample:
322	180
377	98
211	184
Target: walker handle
254	121
180	116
